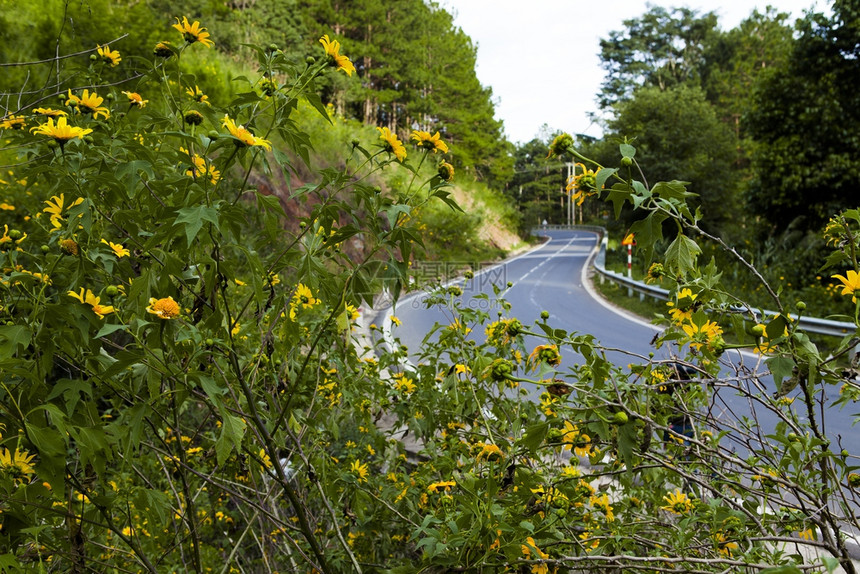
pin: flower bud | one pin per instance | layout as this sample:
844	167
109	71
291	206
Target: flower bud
193	117
163	50
560	145
446	171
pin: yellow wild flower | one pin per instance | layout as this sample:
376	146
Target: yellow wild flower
165	308
89	103
117	248
332	50
243	136
108	56
360	470
392	144
193	32
13	123
62	131
528	548
134	99
303	298
850	283
678	503
428	142
18	463
87	297
50	112
198	96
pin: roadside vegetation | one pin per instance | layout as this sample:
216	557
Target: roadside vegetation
186	381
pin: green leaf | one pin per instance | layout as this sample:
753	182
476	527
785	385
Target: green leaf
648	231
830	563
154	500
627	440
534	436
314	100
618	195
776	328
394	210
343	321
526	525
788	569
193	218
210	387
681	255
8	563
133	167
672	189
603	176
627	150
11	337
781	367
232	431
93	447
72	389
108	329
52	451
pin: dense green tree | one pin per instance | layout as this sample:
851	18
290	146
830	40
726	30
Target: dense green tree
661	48
736	59
537	183
464	107
805	119
677	135
416	70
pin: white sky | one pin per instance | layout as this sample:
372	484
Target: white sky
540	57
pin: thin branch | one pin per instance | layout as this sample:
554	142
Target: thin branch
58	58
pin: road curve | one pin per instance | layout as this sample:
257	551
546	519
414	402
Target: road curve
553	278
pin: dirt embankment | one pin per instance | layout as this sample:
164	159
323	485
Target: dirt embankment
490	229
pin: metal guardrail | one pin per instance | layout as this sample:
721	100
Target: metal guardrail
809	324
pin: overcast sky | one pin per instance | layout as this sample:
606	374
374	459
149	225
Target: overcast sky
540	56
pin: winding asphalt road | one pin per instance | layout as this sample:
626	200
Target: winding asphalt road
553	277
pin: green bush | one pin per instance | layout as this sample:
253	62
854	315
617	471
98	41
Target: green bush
185	388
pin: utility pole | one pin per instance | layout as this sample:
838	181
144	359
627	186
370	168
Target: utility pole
571	213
